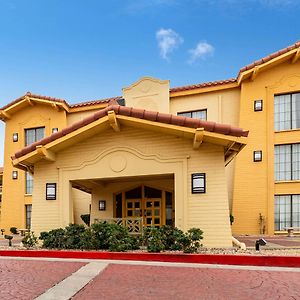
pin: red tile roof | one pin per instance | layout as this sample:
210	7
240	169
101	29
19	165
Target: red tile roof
1	170
270	56
139	114
202	85
81	104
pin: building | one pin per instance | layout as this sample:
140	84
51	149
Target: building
1	183
263	187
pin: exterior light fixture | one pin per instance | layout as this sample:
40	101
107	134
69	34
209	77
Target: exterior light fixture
257	156
15	137
102	205
198	183
14	174
50	191
54	130
258	105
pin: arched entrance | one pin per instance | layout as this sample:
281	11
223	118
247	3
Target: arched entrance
154	205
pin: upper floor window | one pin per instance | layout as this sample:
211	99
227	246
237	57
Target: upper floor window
287	162
287	111
196	114
33	135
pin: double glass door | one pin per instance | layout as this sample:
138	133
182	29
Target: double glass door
149	209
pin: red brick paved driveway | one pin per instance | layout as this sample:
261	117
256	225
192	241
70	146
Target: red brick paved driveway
152	282
27	279
276	240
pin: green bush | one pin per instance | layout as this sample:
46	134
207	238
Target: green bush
30	240
13	230
86	219
102	236
53	239
169	238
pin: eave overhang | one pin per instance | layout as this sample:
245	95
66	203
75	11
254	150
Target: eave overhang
47	148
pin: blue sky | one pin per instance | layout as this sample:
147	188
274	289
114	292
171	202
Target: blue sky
84	50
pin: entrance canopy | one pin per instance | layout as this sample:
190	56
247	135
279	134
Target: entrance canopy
233	139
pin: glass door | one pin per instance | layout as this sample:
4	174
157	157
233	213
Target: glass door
152	212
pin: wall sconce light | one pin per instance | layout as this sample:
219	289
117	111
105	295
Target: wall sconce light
54	130
258	105
257	155
198	183
50	191
102	205
15	137
14	174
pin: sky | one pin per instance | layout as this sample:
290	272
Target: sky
86	50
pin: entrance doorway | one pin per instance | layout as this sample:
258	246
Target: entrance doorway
154	205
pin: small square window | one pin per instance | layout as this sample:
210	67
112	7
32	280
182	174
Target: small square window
15	137
257	155
54	130
50	191
198	183
258	105
14	174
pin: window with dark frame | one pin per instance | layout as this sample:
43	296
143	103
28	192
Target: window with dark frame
287	162
258	105
28	210
287	211
257	155
50	191
28	183
198	183
195	114
33	135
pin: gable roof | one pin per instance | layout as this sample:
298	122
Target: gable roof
270	57
138	114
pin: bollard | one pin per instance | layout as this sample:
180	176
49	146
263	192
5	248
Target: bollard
257	245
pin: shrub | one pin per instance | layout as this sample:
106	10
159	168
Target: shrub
73	236
13	230
53	239
30	240
169	238
153	239
86	219
191	240
104	236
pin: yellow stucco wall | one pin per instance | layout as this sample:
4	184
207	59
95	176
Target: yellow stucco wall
222	107
134	152
254	186
14	198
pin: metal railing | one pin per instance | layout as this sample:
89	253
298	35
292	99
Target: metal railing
134	225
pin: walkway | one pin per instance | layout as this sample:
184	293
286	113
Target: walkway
59	279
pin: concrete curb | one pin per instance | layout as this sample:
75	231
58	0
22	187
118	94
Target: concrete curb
225	259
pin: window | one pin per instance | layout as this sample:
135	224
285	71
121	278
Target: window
287	162
28	209
33	135
287	211
287	112
197	114
28	183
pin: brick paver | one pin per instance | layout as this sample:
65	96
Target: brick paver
152	282
27	279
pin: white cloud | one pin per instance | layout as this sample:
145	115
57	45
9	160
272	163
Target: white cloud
168	40
201	51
